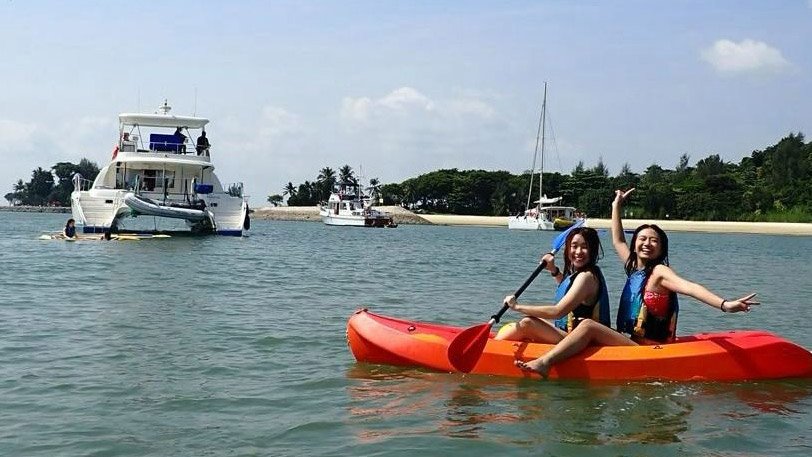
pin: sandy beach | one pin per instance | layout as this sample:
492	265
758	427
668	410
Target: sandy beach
403	216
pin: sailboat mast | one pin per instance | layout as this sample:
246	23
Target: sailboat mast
542	127
535	153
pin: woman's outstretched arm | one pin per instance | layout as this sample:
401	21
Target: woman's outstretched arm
668	279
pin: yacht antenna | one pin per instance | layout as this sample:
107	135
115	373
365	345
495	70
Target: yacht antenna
165	108
195	111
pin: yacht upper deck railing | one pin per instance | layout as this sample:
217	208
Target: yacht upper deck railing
80	183
165	145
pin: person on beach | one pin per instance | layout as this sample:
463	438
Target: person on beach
70	229
581	294
648	305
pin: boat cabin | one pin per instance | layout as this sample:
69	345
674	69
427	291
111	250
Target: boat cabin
348	199
163	133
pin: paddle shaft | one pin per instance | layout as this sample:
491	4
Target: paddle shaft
495	318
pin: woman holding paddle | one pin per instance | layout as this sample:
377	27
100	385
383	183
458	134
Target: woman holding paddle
581	294
648	305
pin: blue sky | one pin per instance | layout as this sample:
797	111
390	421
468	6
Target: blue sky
402	88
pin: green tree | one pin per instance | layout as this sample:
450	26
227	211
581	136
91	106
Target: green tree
290	191
39	188
326	182
347	175
375	189
275	199
392	194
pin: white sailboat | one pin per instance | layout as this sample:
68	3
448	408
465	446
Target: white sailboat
542	216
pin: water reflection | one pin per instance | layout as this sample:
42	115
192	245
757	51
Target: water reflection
783	398
387	402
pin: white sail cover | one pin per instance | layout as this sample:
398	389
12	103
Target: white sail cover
548	201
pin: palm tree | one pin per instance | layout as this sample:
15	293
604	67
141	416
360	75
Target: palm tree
326	181
289	190
374	188
327	174
346	175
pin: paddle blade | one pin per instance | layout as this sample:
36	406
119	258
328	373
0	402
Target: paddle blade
466	348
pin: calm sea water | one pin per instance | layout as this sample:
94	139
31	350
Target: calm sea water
228	346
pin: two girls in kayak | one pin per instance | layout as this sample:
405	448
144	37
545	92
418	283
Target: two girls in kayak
648	307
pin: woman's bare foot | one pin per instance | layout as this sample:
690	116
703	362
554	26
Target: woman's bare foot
536	365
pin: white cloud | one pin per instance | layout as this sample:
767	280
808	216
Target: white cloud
405	133
747	56
26	146
261	150
15	135
408	105
402	101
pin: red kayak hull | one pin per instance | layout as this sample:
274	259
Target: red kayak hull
723	356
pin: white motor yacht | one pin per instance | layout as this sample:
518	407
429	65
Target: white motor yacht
350	207
160	178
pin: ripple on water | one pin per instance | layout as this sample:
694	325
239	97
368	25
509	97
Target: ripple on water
220	346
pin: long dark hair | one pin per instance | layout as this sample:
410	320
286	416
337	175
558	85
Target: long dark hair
632	261
593	243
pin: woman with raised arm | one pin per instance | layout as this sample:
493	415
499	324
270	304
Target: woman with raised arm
648	305
581	294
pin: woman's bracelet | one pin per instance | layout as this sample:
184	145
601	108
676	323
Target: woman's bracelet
722	306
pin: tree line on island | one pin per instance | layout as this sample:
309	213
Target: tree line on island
773	184
51	187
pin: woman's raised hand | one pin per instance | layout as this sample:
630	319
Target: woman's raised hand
620	196
510	301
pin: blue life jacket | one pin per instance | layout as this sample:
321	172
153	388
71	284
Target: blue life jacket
632	318
70	232
598	312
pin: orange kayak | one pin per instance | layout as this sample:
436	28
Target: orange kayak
722	356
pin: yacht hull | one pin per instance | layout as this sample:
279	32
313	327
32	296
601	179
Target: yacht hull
529	223
99	210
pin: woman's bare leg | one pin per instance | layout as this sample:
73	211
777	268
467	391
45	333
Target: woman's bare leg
531	329
588	333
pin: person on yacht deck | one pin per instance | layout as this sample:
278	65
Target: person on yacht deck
203	145
180	139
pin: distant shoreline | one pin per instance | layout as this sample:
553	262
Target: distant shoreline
403	216
767	228
35	209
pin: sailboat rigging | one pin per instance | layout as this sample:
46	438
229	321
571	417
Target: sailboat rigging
542	216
